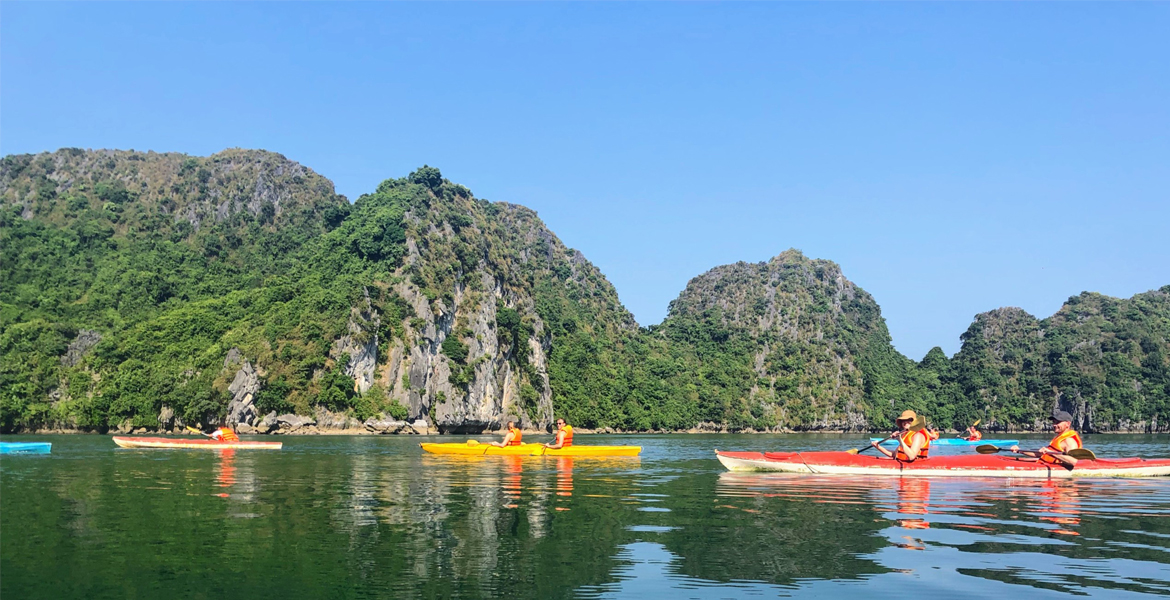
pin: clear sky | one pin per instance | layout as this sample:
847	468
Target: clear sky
953	158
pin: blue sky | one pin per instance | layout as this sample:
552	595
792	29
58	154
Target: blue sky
953	158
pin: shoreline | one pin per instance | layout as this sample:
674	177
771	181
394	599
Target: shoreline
312	430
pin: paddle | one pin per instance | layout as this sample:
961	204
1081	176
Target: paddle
918	424
1077	453
975	424
193	430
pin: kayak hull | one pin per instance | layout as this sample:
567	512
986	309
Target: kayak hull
956	442
25	447
190	443
478	449
977	465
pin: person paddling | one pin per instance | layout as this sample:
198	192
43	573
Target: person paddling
912	445
973	434
512	437
1066	440
564	436
224	434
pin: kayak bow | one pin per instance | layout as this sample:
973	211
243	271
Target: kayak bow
25	447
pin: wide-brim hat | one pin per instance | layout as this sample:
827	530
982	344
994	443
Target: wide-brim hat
907	415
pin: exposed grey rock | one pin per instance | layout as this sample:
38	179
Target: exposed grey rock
293	422
244	429
420	427
267	424
81	345
385	425
245	386
326	419
166	418
361	344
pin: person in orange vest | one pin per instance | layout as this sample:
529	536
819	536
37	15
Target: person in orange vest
912	445
224	434
1066	440
512	437
934	433
564	436
973	435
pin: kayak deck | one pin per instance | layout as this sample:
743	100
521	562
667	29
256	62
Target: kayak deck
26	447
976	465
474	448
192	443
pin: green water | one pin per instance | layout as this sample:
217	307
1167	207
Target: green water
373	517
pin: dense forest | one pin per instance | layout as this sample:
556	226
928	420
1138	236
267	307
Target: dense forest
152	290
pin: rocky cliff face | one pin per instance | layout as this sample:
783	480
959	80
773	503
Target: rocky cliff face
802	332
1105	360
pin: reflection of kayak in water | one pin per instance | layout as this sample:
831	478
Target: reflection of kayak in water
954	442
154	442
474	448
25	447
978	465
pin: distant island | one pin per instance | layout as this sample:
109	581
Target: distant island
147	291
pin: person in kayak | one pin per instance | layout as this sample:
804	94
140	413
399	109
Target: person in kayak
912	445
933	432
512	437
973	434
224	434
564	436
1066	440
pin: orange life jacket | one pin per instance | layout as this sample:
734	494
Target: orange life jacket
228	435
516	435
1055	445
975	437
908	440
568	441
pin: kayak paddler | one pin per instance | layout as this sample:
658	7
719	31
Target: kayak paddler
224	434
933	432
512	437
912	445
1066	440
564	436
973	434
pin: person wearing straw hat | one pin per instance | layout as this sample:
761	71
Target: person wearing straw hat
913	442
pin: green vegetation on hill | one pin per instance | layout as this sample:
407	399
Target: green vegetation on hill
129	277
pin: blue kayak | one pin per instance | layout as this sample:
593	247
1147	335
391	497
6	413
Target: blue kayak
25	447
959	442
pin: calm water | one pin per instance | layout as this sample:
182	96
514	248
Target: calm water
373	517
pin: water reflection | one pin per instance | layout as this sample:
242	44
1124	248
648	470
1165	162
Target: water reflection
375	517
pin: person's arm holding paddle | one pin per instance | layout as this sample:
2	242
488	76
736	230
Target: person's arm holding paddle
1057	451
564	436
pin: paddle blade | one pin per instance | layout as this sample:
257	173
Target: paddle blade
472	443
1082	454
976	423
919	423
853	451
193	430
987	449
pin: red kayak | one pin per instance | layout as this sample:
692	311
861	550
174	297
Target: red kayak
189	443
975	465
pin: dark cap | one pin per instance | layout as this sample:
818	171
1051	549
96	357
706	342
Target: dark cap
1061	415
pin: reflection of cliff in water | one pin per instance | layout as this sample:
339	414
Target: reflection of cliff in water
776	529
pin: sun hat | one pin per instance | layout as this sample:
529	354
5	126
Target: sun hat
907	415
1061	415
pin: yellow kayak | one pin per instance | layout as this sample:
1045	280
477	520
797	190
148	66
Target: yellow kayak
474	448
